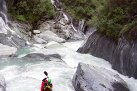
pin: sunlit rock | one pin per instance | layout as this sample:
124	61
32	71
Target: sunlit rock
48	36
45	26
7	50
36	32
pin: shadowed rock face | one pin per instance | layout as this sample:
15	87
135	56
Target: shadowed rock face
12	40
91	78
119	87
121	54
2	83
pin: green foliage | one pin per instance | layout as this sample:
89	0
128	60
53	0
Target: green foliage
21	18
111	17
128	27
31	10
117	13
83	9
108	16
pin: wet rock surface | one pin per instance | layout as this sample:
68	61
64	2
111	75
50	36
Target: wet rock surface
47	36
12	40
7	35
92	78
122	54
40	56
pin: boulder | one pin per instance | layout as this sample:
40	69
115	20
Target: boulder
41	56
91	78
47	36
45	26
36	32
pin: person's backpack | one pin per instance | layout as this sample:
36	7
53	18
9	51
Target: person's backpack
48	85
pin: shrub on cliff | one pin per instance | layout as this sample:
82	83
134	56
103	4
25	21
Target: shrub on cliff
108	16
117	14
30	10
82	9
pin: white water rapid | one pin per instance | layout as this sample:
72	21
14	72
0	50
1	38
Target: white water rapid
26	75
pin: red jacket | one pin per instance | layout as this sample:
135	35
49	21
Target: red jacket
42	85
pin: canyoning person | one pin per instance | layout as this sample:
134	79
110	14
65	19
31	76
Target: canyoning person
46	83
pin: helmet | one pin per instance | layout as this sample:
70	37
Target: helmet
46	73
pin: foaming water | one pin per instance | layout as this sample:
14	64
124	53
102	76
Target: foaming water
73	45
26	74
